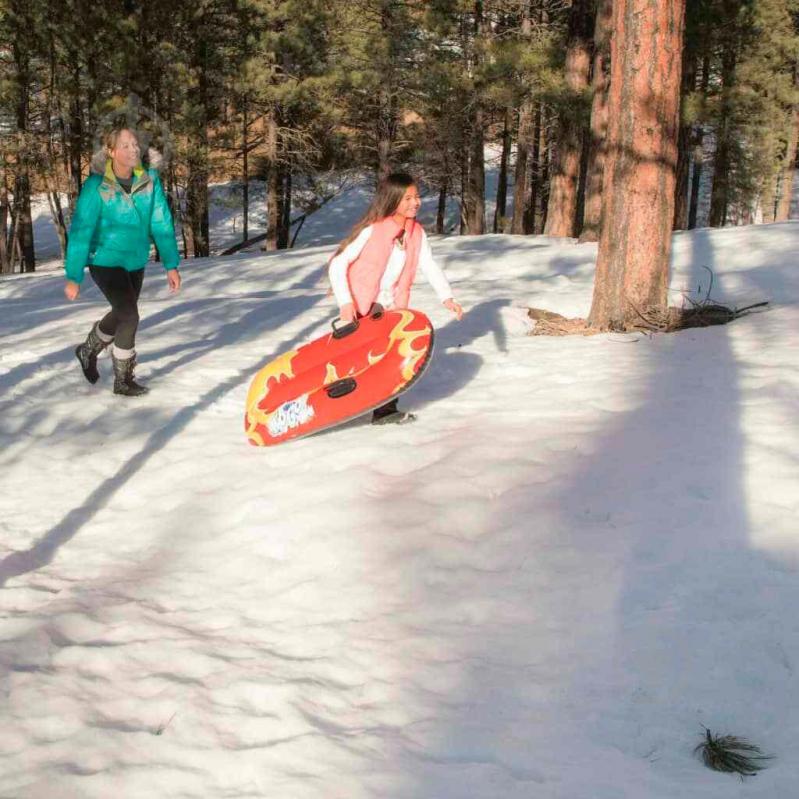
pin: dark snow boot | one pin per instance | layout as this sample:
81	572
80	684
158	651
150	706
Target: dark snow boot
398	417
123	377
390	414
87	353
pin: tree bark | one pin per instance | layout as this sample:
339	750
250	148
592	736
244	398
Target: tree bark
522	170
698	152
245	172
789	166
684	143
75	132
197	231
442	206
768	199
523	143
720	194
273	182
475	221
539	194
502	183
5	209
562	212
475	195
22	189
285	206
600	83
638	209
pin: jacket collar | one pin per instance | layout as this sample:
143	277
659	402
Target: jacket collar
395	227
140	176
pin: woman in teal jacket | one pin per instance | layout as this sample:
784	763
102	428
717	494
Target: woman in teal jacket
121	209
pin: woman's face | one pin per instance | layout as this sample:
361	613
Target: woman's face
410	202
126	153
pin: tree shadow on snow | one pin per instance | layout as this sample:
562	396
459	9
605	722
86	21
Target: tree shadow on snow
637	610
253	324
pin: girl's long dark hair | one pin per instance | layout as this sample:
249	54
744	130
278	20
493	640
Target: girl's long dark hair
389	192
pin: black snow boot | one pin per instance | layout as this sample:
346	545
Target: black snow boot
390	414
123	377
87	353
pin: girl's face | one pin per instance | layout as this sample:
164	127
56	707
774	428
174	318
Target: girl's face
126	153
410	203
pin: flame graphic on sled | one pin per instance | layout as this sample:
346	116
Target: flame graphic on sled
405	339
255	417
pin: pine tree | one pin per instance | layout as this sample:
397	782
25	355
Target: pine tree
21	24
751	111
600	83
573	113
638	206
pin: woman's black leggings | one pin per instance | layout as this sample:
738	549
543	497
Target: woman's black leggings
121	288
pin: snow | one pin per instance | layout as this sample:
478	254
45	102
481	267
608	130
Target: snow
583	551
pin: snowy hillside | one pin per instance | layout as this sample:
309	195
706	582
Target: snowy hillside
583	551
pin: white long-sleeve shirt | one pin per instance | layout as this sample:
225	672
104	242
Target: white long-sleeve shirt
430	269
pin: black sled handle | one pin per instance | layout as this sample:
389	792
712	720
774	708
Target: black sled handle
341	388
342	330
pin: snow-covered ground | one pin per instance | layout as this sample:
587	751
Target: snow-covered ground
583	551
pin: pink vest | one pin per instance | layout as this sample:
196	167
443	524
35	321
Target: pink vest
366	271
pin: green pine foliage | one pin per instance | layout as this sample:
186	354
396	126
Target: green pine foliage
312	89
750	49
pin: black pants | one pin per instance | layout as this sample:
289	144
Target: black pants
121	288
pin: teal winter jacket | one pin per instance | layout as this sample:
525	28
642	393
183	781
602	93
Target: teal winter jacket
113	228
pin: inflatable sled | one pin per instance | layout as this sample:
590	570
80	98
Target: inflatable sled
351	371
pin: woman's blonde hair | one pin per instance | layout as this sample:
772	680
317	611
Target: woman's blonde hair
112	136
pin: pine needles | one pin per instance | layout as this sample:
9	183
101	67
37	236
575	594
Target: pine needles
731	754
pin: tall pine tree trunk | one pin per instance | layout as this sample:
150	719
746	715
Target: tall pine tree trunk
285	206
768	199
684	143
720	194
245	172
539	198
696	181
564	182
789	165
698	152
538	175
442	205
75	131
5	211
632	269
197	229
22	219
522	170
600	83
524	140
273	181
198	233
475	193
502	183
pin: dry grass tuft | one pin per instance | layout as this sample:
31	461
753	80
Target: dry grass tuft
731	754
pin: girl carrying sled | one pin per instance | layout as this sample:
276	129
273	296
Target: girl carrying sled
121	208
377	263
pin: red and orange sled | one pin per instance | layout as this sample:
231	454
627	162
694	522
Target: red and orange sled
335	378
